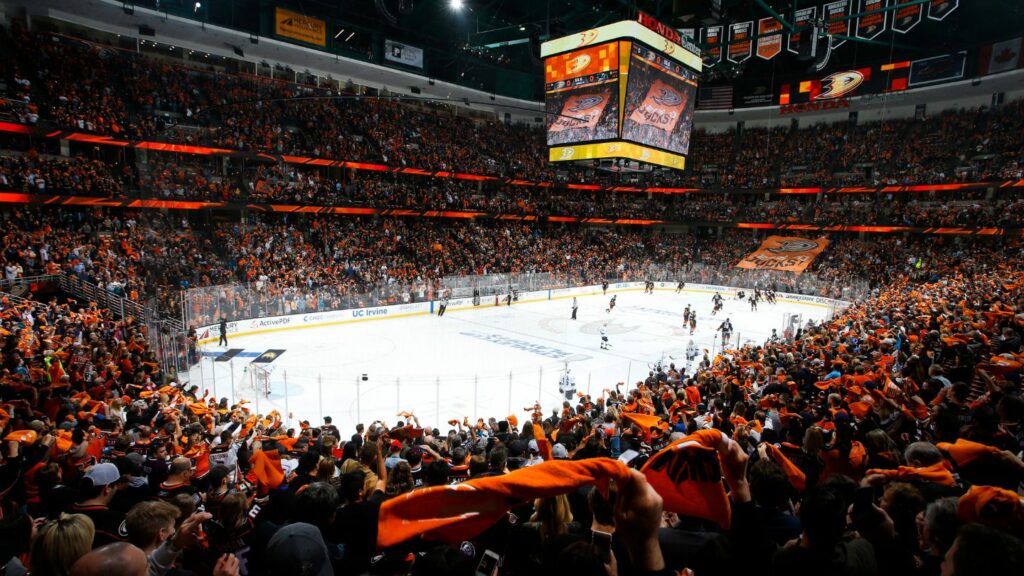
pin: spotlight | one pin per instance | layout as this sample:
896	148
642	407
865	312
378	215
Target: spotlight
455	4
522	28
198	6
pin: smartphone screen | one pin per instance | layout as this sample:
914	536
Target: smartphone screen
488	564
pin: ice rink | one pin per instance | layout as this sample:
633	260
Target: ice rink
480	361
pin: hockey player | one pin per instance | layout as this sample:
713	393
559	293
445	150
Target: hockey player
567	384
611	303
508	299
604	337
693	323
753	302
575	307
686	316
691	354
680	287
443	307
604	287
726	329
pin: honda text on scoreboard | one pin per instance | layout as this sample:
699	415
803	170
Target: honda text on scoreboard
622	91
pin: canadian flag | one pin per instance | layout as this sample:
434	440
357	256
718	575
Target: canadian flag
1001	56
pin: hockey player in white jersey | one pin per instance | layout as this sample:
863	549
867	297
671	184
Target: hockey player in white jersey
604	338
691	354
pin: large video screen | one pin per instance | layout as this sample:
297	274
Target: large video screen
660	98
582	95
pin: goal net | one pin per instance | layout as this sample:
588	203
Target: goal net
259	380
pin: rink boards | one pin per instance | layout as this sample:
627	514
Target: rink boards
240	328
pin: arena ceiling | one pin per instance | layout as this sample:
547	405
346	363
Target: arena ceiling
492	45
499	32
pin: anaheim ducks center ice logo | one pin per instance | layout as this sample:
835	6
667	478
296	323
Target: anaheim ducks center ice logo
587	103
839	84
788	246
668	98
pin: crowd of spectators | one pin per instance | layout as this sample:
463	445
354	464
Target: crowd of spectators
884	441
186	177
77	85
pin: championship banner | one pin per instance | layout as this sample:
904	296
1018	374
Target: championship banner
740	45
581	111
300	27
907	17
835	14
801	19
662	107
939	9
871	25
713	39
786	253
769	38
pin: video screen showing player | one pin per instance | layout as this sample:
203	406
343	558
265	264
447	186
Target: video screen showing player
660	98
583	110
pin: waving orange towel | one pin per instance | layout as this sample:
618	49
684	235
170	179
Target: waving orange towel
794	474
963	452
688	476
937	473
459	512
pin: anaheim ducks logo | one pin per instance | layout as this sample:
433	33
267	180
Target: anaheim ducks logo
787	246
668	48
587	36
586	103
839	84
568	153
669	98
577	64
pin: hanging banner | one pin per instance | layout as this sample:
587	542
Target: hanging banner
740	45
662	108
769	38
944	68
713	39
403	53
939	9
835	14
581	111
688	34
787	253
905	18
802	19
873	24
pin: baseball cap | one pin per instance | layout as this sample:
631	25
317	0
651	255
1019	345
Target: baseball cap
298	549
130	464
103	474
396	443
558	451
533	446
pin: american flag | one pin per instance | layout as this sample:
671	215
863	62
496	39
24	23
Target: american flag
715	98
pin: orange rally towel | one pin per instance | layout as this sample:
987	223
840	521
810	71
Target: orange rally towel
937	473
795	475
963	452
991	506
459	512
647	421
266	467
688	476
543	445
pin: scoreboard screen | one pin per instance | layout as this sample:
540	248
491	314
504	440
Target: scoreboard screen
660	97
582	95
624	91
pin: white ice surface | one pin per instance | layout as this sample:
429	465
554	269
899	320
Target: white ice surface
479	362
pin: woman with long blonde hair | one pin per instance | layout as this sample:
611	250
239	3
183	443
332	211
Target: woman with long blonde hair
59	543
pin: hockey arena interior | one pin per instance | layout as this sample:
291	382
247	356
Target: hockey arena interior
485	287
